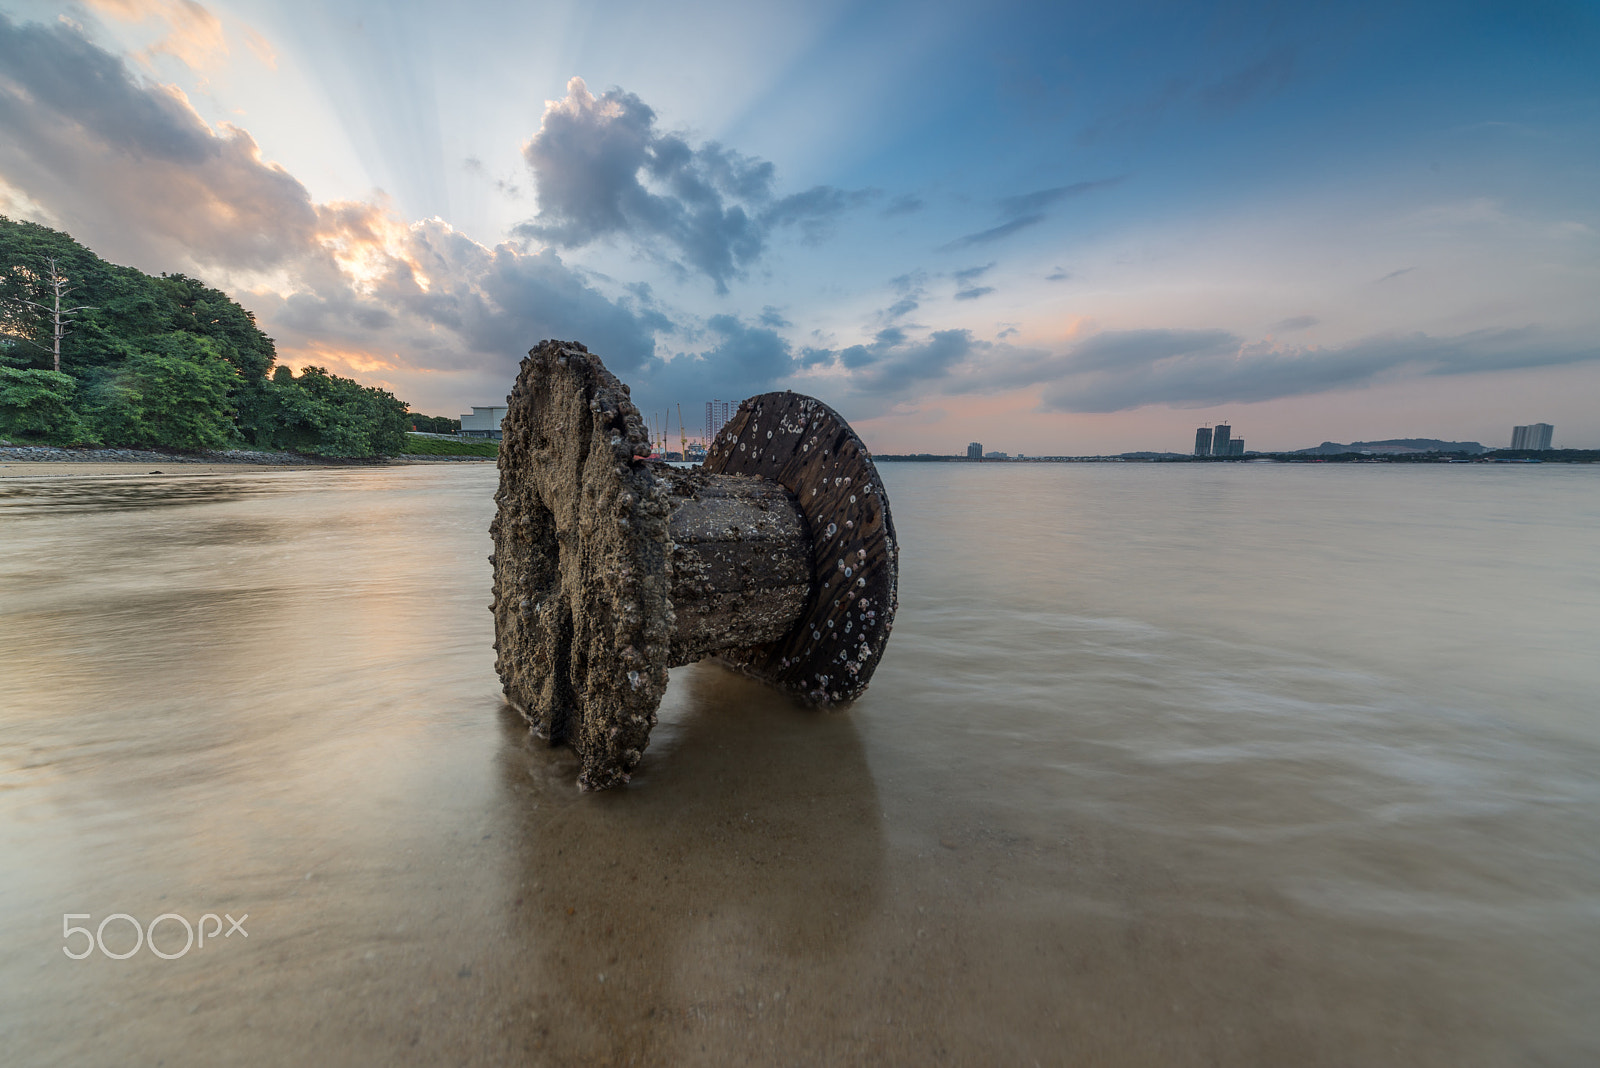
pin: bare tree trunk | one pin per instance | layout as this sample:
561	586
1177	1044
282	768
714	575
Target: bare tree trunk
60	318
56	282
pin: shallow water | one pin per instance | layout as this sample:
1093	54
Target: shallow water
1165	764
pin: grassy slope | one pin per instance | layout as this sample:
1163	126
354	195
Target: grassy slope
416	445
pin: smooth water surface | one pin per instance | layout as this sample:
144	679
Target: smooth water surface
1165	764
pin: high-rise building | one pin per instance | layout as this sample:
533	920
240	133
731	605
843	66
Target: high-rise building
1219	439
1202	441
975	451
1535	436
718	412
1236	447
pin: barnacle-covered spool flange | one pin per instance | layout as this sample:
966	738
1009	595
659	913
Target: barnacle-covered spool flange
778	555
805	447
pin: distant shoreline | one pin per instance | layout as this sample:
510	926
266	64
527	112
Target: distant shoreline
1501	456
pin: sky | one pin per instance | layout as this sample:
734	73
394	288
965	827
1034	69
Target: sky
1057	229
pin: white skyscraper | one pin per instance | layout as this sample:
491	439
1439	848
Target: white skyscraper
1534	437
718	412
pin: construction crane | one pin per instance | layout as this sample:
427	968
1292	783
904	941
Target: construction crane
683	439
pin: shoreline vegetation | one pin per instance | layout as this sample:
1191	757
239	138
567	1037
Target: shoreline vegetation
98	356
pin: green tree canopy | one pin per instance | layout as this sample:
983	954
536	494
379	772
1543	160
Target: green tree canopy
38	404
166	361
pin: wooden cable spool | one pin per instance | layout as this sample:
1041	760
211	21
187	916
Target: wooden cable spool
777	555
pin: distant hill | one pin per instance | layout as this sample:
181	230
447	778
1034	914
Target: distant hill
1393	446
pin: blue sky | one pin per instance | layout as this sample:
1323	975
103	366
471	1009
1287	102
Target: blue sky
1052	228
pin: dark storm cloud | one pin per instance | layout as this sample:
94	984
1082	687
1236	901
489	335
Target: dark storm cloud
603	169
131	164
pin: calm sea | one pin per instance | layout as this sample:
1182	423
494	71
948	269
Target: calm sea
1165	764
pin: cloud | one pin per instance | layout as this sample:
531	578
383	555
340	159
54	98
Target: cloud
131	170
894	362
911	287
1264	77
603	169
965	279
1116	371
1057	275
1139	117
994	233
1396	274
737	359
1295	322
261	48
904	204
474	166
1120	370
1039	199
194	35
1027	209
94	145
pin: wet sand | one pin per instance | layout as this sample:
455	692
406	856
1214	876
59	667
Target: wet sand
76	469
1064	826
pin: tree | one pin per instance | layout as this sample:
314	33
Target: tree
434	424
38	404
167	360
327	415
174	390
60	319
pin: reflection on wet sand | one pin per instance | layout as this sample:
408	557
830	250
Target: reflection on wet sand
721	888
